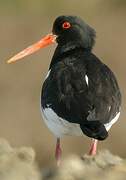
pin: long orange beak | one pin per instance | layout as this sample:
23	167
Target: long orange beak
47	40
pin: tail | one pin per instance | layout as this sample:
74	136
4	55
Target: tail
94	129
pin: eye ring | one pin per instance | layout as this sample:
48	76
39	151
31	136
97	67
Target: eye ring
66	25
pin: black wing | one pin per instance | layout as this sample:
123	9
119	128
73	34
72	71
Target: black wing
84	92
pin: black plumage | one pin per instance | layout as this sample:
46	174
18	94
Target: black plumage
66	91
80	94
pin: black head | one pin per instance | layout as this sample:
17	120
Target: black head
69	32
73	31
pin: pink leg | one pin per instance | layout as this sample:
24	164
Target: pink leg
58	152
93	149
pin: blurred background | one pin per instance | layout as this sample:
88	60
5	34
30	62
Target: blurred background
23	22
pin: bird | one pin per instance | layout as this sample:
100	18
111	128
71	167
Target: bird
80	94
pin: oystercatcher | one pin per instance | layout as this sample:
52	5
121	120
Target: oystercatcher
80	94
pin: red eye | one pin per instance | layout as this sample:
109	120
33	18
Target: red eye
66	25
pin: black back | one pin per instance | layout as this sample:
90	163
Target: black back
90	104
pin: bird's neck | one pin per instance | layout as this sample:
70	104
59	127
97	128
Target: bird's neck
65	51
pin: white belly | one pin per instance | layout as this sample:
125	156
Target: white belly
59	126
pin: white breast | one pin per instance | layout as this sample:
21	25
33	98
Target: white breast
59	126
47	74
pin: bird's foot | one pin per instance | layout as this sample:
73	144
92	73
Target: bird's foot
58	152
93	149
